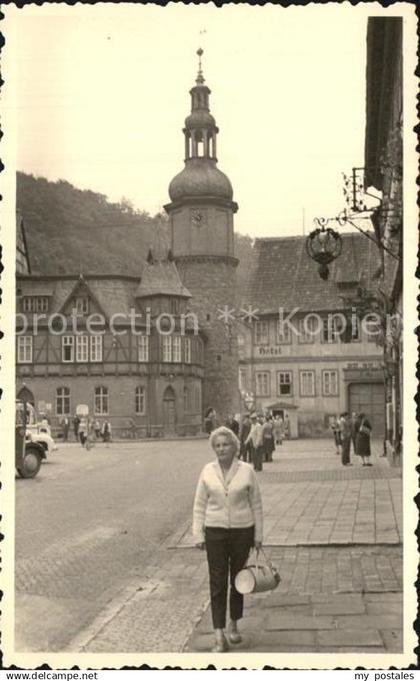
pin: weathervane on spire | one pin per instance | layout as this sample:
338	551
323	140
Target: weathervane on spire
200	51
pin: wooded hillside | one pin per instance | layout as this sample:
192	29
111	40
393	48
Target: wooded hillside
72	231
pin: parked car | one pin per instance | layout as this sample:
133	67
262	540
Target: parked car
28	454
39	431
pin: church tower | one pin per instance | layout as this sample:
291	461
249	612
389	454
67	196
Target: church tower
202	242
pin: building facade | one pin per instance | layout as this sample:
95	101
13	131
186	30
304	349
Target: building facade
309	356
384	172
148	353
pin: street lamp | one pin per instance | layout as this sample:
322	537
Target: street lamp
323	245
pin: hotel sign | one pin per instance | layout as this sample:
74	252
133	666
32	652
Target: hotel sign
268	351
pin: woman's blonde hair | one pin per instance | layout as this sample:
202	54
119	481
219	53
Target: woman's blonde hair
226	432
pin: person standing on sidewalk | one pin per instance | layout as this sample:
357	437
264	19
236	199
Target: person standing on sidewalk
245	428
345	437
335	427
278	429
268	439
353	430
228	522
254	442
363	431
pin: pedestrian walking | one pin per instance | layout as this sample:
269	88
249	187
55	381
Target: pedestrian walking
106	431
97	428
209	418
90	435
345	438
268	439
244	432
286	427
235	424
83	430
255	442
76	423
278	430
65	425
363	433
335	427
227	522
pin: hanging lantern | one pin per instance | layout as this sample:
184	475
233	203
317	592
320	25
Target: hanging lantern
324	245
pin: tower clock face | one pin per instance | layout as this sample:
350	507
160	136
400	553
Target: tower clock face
197	218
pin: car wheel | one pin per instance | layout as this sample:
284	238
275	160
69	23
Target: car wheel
31	464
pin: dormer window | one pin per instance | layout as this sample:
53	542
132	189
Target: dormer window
82	305
35	304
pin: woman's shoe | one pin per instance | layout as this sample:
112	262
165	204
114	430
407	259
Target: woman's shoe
234	637
221	646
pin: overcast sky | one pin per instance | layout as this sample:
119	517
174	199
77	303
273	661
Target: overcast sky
102	93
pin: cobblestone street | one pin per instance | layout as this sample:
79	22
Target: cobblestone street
128	579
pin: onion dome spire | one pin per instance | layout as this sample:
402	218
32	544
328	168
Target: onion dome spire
200	177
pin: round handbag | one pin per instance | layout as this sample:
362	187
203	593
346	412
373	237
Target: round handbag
254	578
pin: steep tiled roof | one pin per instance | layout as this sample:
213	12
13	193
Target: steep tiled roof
161	277
284	275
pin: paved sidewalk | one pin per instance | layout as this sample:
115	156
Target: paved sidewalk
335	534
310	498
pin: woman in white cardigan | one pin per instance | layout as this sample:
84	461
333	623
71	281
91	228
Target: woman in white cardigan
227	521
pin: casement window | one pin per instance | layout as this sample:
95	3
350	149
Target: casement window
329	383
167	349
81	305
140	400
82	348
333	328
96	348
284	383
24	349
35	304
176	348
101	404
62	402
67	349
307	383
262	383
284	335
143	348
261	333
242	379
187	350
308	328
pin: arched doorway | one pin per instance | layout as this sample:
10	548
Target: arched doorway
25	395
169	411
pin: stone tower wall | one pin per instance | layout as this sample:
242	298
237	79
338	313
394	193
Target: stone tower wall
211	281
